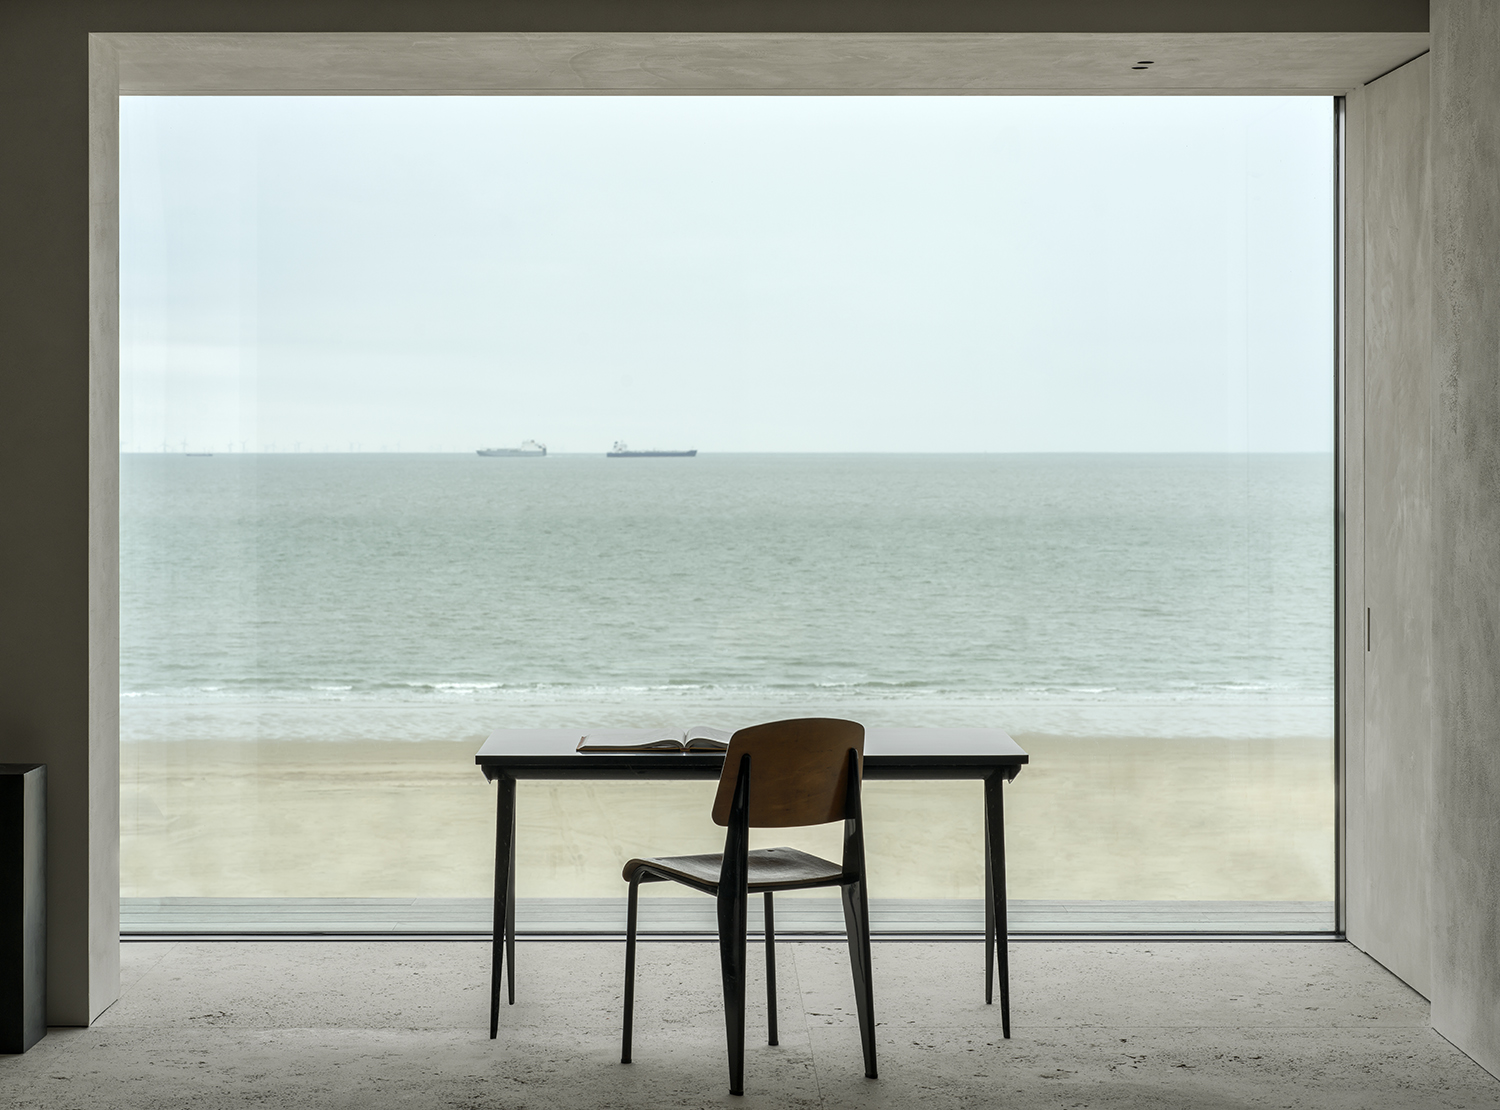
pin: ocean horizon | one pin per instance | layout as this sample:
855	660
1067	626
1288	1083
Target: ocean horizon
404	595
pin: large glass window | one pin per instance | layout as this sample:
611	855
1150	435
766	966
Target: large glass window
1009	412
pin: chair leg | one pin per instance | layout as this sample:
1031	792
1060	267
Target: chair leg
857	924
771	969
732	907
635	887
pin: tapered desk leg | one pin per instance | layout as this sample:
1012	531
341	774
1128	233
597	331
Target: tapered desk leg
989	916
510	907
997	939
505	869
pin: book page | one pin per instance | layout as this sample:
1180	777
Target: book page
703	738
641	740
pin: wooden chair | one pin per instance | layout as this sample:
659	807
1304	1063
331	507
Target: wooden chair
777	775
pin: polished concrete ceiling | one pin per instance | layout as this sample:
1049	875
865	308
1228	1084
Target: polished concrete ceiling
760	63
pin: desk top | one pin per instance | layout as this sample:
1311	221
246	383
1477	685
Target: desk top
895	753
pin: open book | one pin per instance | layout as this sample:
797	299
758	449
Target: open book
699	738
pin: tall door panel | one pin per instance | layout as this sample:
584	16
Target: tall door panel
1388	874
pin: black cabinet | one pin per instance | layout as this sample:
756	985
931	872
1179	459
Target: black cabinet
23	905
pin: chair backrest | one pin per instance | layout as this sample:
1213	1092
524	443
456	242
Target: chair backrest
799	771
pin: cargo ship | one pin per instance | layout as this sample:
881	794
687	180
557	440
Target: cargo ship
621	451
530	449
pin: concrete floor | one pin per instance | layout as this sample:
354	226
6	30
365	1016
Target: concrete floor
1204	1025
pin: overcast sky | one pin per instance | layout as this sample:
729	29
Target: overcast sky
727	273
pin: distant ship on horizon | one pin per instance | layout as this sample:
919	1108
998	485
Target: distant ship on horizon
530	449
621	451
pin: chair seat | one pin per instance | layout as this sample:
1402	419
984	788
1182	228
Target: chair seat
770	869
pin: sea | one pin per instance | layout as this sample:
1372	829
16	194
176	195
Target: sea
337	597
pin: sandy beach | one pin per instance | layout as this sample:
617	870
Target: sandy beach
1091	818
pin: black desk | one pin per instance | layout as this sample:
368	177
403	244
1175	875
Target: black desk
890	753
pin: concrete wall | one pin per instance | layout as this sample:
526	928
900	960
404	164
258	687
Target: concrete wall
1423	727
1389	640
58	599
103	875
1465	820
